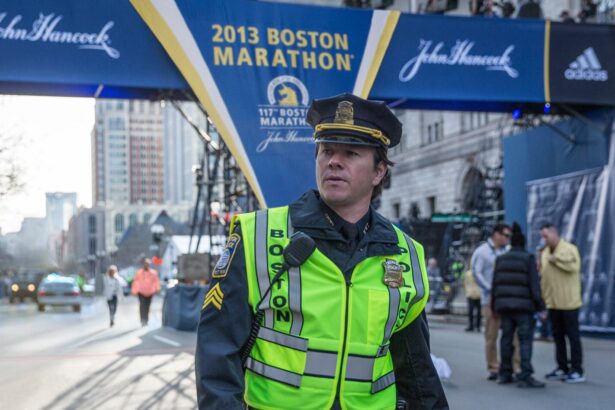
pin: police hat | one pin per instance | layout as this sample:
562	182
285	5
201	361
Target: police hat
348	119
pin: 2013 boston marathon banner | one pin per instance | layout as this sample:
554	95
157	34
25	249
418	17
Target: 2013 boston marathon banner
257	66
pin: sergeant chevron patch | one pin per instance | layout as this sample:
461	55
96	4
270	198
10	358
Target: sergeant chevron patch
214	296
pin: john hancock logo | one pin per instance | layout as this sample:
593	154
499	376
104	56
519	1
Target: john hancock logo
284	116
460	54
46	29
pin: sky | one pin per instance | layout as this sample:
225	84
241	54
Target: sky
53	152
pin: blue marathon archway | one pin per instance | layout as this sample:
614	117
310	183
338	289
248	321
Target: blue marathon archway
256	66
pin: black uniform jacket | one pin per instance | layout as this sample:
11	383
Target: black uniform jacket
223	331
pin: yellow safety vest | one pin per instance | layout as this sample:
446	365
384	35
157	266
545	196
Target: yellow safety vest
322	337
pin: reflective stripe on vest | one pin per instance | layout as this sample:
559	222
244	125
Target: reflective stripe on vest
273	373
321	364
383	382
416	270
311	311
282	339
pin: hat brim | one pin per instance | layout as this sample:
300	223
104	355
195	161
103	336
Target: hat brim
347	141
346	136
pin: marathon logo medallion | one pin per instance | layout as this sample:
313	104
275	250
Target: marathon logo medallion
393	274
226	258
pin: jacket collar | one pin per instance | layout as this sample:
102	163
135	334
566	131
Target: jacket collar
308	215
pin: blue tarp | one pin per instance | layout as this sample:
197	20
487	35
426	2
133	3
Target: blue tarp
182	306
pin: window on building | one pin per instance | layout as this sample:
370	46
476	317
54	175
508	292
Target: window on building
431	204
92	246
396	210
116	123
92	224
132	219
146	218
119	223
415	211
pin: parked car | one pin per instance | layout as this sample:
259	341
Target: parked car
22	287
57	290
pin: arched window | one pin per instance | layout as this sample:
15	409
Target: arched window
119	223
146	218
132	219
472	190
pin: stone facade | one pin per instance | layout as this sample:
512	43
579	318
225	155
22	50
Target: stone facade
433	163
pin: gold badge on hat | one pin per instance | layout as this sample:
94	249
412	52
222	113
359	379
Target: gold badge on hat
344	113
393	274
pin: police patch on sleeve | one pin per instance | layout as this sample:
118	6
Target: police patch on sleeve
226	258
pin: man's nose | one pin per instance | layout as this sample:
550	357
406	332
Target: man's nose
335	160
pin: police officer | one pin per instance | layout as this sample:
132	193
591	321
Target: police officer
346	328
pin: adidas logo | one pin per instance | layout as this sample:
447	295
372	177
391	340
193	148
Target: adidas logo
586	67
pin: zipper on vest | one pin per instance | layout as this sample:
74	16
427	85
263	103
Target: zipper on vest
341	369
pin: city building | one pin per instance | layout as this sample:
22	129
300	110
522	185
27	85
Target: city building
60	207
85	241
121	217
127	153
183	150
94	234
29	247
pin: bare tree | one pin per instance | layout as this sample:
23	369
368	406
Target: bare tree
10	170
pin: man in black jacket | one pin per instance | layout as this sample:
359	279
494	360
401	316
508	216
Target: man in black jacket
516	297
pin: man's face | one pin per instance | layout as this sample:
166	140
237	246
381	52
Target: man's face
146	263
346	174
501	239
550	236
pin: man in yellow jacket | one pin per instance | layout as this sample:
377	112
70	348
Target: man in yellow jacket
561	291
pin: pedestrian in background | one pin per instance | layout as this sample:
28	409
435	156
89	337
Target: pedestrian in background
146	284
435	281
482	263
472	292
112	289
561	290
515	298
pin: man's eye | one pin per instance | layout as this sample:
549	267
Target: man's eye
352	153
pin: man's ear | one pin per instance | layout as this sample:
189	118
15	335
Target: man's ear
381	171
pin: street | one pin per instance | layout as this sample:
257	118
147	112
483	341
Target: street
470	389
64	360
